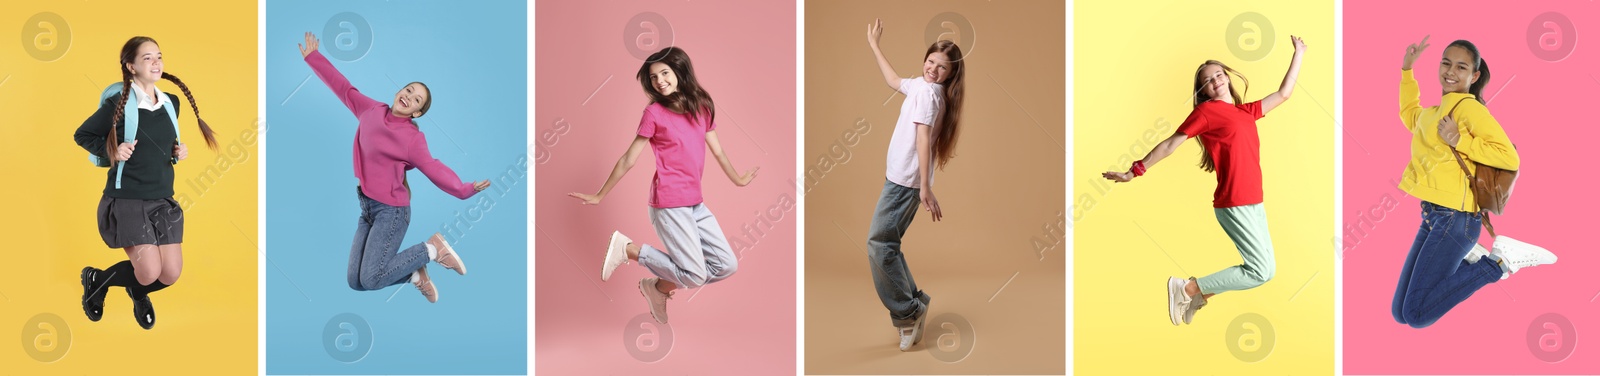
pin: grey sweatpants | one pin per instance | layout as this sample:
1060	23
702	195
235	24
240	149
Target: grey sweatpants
697	253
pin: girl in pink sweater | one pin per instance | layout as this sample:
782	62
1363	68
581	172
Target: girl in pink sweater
388	143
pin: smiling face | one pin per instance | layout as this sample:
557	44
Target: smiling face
936	68
411	100
146	63
1215	83
1457	70
663	79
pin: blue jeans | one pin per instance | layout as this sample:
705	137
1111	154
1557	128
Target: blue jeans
374	264
897	205
1436	275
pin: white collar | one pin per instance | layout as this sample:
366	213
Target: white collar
144	101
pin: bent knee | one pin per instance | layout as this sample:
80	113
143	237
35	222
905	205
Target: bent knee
147	273
169	276
727	270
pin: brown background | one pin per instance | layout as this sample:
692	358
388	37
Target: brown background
1004	190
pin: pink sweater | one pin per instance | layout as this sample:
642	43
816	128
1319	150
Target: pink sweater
386	146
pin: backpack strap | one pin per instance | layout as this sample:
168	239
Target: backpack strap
130	129
172	113
1470	176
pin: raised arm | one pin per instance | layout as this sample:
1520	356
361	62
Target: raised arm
624	164
1410	95
352	98
727	166
875	31
1161	151
441	176
1287	87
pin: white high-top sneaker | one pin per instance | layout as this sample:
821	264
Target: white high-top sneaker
1515	255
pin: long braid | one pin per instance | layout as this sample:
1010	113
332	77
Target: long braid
211	138
122	101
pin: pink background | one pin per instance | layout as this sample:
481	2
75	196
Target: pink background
744	54
1546	108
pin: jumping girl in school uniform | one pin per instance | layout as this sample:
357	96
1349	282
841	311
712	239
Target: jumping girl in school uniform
137	212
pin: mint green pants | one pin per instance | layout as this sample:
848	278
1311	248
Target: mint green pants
1247	226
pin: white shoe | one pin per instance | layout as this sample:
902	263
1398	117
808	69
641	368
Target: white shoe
1177	300
1515	255
656	298
912	335
616	254
1476	253
1199	301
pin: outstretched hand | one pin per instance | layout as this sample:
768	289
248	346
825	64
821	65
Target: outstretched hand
1299	44
749	176
309	46
480	186
588	199
1120	177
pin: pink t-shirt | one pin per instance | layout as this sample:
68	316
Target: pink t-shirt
680	147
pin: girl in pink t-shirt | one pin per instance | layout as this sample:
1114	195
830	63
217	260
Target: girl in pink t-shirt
1225	126
678	125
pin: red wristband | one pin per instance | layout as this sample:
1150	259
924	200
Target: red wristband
1137	169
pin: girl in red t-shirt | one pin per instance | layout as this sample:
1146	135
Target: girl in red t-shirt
1225	126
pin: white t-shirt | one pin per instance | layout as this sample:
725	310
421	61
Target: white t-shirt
923	105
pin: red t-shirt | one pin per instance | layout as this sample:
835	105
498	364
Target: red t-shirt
1229	133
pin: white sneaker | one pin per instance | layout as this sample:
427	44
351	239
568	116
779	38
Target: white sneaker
1515	255
656	298
1177	300
1198	303
1476	253
912	335
616	254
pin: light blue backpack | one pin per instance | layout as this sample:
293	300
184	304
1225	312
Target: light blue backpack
130	122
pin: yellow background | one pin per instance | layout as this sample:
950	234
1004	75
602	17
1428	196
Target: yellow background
1135	64
207	321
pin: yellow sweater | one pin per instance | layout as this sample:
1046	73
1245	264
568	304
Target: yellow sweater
1432	174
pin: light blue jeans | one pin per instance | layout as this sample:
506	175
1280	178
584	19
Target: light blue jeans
897	206
373	261
1247	226
697	253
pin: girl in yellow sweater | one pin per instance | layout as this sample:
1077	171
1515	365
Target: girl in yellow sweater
1445	264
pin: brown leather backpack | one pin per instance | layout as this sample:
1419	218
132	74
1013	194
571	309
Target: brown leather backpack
1490	185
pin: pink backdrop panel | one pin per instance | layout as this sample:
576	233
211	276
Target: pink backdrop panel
587	109
1543	89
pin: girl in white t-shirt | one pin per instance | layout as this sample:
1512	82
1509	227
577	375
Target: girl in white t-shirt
924	136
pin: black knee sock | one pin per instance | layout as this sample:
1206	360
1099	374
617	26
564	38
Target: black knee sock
139	292
121	274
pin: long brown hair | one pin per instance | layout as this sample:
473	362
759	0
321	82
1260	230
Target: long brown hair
690	99
944	138
130	51
1206	163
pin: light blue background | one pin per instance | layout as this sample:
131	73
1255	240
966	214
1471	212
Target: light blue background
473	56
